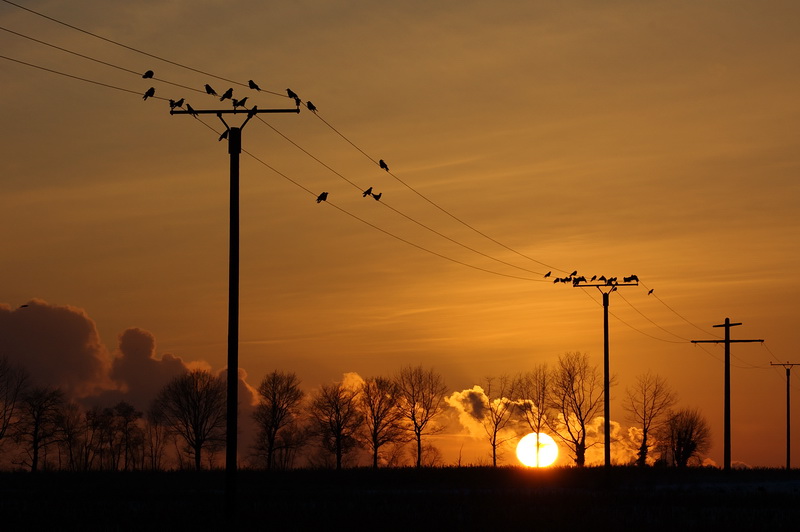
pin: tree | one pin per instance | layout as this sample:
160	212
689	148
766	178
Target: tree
577	396
498	412
334	411
129	434
648	403
13	384
378	400
155	440
192	407
279	400
421	400
686	436
38	424
531	390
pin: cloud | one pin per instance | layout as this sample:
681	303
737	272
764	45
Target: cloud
471	405
58	346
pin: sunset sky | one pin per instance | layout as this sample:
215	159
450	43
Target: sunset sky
622	137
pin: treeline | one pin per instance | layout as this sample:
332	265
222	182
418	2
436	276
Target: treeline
388	419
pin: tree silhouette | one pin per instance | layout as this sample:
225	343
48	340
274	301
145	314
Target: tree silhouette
686	436
498	412
38	424
336	418
13	384
576	395
531	391
379	401
192	407
279	400
421	400
648	403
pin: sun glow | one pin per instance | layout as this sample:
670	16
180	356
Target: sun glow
528	446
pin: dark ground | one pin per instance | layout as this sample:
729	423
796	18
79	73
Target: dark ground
407	499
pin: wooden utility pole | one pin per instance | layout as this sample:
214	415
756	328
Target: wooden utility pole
727	407
788	368
605	286
234	136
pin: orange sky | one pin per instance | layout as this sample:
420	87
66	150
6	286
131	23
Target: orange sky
613	138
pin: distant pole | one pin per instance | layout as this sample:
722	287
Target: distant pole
727	401
234	135
605	286
788	368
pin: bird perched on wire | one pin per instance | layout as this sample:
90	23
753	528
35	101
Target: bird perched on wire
210	90
631	278
383	165
377	197
322	197
191	110
239	103
252	85
175	103
311	107
150	92
293	95
367	192
149	74
252	112
547	275
650	291
227	95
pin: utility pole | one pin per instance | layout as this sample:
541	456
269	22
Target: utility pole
727	410
234	136
788	368
605	286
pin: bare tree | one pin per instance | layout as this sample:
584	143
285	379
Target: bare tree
685	436
155	440
192	406
498	412
531	390
647	404
421	400
334	411
13	384
279	400
129	433
40	410
379	402
576	395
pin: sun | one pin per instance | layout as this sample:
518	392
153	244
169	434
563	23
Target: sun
527	447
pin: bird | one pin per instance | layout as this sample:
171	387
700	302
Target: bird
594	278
377	197
150	92
224	135
210	90
252	85
252	112
547	274
239	103
573	274
293	95
227	96
311	107
322	197
367	192
176	103
149	74
191	111
631	278
383	165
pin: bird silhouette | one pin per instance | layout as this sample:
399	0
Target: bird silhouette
631	278
377	197
383	165
573	274
294	96
252	85
547	275
594	278
311	107
650	291
227	96
224	135
149	74
175	103
252	112
210	90
191	111
367	192
150	92
322	197
239	103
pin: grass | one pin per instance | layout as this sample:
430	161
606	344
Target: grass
467	498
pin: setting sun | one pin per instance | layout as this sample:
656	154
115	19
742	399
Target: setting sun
528	446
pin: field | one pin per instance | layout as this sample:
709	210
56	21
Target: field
406	499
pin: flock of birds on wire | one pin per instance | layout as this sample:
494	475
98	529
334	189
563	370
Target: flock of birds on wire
228	95
576	280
